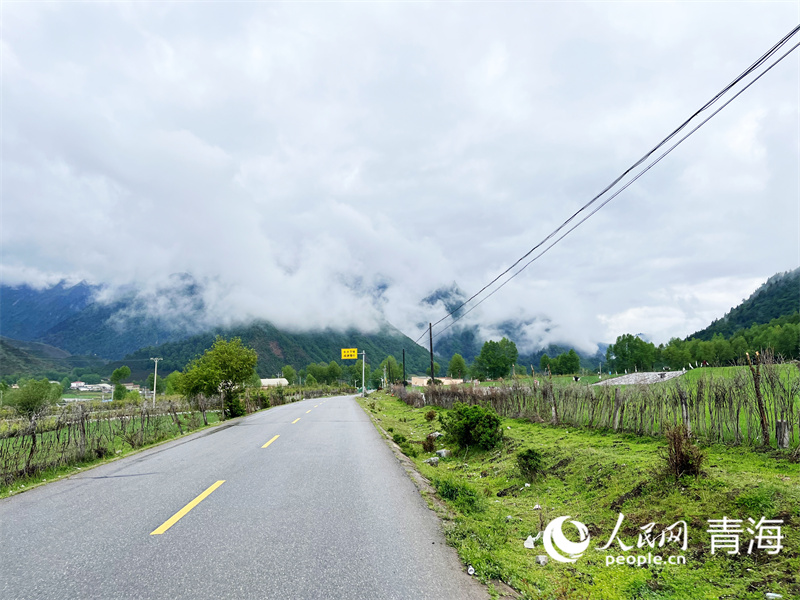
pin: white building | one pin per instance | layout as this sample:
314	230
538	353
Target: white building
268	383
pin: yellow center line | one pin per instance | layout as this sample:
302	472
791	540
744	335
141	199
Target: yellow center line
272	440
182	512
296	420
308	411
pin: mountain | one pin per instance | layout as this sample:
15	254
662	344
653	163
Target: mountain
26	313
72	319
54	325
467	340
40	360
277	349
778	297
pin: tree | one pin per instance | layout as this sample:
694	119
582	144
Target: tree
171	382
496	358
631	353
121	374
544	363
289	374
394	371
376	378
318	371
33	397
435	370
355	372
569	363
161	383
224	369
311	381
65	384
120	391
457	367
333	373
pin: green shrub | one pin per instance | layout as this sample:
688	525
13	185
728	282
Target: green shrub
428	444
682	457
461	494
234	407
530	464
406	446
430	415
472	426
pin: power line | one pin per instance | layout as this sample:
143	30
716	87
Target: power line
761	60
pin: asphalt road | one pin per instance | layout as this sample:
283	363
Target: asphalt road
323	511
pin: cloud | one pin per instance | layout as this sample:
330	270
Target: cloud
331	165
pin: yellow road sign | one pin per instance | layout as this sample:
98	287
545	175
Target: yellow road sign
349	353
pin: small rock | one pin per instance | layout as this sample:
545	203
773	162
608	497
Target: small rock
529	543
435	435
772	596
508	427
541	559
537	507
527	485
433	461
443	453
509	517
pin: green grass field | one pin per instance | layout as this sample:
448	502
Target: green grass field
592	476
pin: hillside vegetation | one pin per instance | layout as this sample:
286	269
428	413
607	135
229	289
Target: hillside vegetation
277	349
778	297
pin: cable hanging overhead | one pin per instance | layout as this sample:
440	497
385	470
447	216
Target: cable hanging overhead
761	61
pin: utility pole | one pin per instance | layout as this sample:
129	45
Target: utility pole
155	378
404	367
430	337
363	367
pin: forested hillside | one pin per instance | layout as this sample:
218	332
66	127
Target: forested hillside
778	297
277	349
41	360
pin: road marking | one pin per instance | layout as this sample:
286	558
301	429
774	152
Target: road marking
272	440
296	420
308	411
182	512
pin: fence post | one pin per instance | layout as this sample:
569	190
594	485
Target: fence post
617	409
782	434
553	407
685	411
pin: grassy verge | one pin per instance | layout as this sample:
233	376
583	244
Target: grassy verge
121	449
593	476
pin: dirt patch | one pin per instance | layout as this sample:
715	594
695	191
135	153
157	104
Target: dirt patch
559	466
276	349
635	492
509	491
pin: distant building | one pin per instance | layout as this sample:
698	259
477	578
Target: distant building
268	383
76	385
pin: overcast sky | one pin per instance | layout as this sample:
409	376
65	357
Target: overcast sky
318	163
